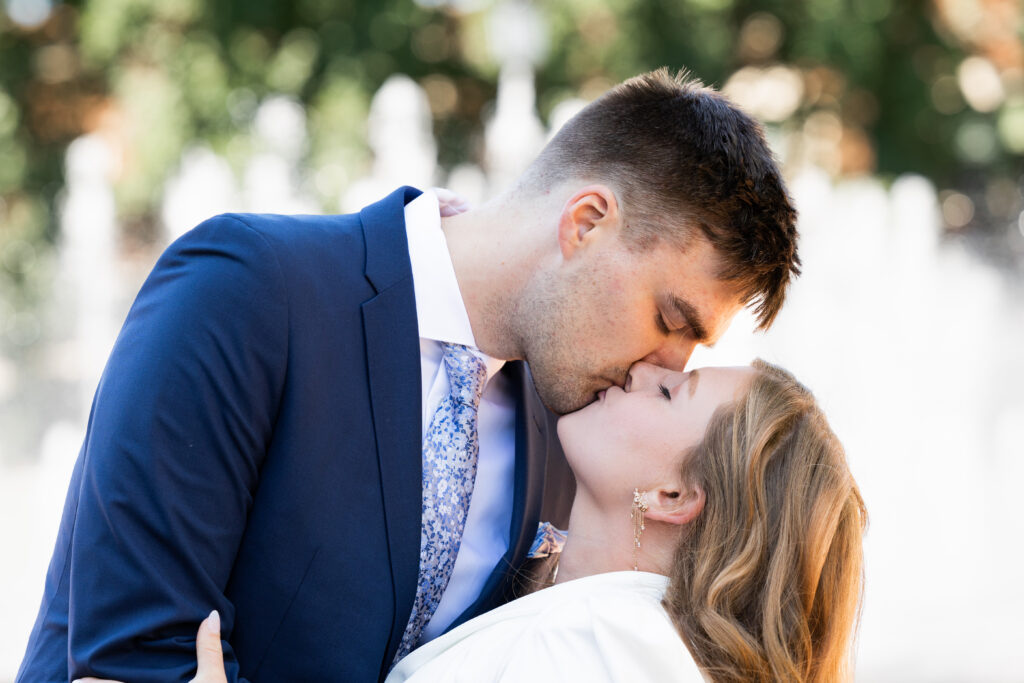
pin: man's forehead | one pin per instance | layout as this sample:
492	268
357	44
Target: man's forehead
695	264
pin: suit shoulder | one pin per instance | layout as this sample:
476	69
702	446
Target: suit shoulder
300	241
294	227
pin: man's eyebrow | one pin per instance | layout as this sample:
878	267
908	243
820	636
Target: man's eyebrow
692	318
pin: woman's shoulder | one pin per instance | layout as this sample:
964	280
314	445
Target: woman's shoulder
607	627
617	622
610	597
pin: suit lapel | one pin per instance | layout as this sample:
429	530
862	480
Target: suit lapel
393	366
533	443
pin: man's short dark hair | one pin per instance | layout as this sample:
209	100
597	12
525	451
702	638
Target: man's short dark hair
683	157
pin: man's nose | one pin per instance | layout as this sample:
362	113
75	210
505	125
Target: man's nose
673	355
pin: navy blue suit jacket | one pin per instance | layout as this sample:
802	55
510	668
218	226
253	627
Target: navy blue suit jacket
254	447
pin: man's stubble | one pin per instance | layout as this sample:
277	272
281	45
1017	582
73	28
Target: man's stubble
553	331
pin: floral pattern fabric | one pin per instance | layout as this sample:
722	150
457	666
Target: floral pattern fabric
450	450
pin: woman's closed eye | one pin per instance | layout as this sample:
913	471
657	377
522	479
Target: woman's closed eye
664	391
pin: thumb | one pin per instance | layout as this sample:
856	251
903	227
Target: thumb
209	655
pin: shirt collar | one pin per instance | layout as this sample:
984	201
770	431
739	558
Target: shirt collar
440	309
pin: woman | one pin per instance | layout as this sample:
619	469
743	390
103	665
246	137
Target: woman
715	535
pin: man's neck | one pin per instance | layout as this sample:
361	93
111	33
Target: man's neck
494	249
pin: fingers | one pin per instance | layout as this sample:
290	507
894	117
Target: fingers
209	655
449	202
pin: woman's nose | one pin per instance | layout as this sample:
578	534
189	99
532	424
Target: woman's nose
641	374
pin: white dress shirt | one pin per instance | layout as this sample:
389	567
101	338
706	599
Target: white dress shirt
442	317
603	628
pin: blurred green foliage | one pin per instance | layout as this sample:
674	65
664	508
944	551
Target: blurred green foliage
159	75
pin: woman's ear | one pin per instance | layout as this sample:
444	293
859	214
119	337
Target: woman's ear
675	504
588	208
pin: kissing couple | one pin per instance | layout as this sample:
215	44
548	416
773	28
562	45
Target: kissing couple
341	434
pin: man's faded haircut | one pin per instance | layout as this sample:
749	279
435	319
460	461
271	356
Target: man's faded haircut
681	156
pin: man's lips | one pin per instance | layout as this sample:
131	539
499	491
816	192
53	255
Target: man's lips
600	394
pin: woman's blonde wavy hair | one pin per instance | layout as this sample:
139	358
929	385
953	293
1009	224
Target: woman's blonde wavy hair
767	580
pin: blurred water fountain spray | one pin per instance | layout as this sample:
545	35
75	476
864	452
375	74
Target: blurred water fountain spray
203	186
402	139
272	177
515	134
88	252
517	33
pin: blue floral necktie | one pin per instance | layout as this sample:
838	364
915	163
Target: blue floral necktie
450	450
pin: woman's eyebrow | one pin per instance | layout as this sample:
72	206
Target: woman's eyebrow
692	382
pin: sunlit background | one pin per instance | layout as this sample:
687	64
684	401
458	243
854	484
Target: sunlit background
900	124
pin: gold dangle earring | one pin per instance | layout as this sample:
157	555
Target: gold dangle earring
637	515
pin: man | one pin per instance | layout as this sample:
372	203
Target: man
259	443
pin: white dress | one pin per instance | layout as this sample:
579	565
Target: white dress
605	627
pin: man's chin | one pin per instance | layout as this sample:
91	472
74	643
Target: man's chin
562	402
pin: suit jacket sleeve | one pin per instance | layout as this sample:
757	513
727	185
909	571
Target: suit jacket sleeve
179	428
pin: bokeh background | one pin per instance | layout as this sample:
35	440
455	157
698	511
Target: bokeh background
900	125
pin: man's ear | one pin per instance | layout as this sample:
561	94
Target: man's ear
590	207
678	504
